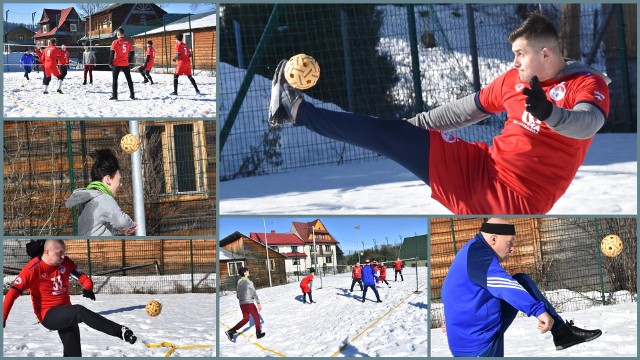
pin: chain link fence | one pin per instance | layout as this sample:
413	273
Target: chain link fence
131	266
562	255
374	59
45	160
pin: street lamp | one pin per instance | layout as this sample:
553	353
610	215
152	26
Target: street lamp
357	227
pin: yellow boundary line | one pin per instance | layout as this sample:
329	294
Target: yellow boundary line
257	344
174	347
30	107
372	324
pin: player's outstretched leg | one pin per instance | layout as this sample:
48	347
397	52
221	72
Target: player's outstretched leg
149	76
398	140
127	75
193	82
144	75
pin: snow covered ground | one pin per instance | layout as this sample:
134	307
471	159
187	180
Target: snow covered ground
617	322
186	319
605	184
338	324
24	98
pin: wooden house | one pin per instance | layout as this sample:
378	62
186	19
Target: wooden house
63	25
19	35
199	33
133	18
45	160
243	251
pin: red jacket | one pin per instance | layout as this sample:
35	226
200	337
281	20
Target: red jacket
357	272
304	284
397	265
383	273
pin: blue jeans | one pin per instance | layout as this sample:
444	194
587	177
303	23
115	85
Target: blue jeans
399	140
375	291
27	70
509	314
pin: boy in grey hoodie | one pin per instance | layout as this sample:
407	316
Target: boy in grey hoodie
247	295
100	214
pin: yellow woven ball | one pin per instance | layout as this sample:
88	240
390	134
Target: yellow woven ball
302	71
129	143
153	308
611	245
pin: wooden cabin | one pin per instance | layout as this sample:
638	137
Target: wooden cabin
63	25
45	160
19	35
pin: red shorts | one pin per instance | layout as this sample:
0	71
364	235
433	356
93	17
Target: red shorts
51	70
305	288
149	67
463	178
183	68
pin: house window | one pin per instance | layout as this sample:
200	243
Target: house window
327	248
272	262
274	248
186	38
45	28
294	248
296	261
143	19
175	158
232	267
21	37
327	259
73	27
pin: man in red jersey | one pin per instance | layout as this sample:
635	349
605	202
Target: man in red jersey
63	61
46	277
554	108
38	62
120	57
51	57
356	276
149	58
397	266
183	67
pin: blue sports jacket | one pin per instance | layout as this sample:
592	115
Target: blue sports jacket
368	276
472	293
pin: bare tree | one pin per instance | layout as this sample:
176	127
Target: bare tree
203	6
85	9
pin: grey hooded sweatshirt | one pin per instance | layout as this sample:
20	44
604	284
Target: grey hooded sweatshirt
247	292
100	215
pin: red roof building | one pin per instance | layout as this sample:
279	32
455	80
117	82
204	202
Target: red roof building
63	25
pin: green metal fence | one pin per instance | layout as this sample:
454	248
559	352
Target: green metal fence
131	266
389	61
562	255
44	161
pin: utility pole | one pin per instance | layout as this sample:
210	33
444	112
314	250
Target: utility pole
266	247
357	227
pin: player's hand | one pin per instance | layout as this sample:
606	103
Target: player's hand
536	103
131	230
259	307
545	322
89	294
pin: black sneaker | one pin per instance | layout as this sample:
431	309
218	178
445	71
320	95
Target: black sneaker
113	98
569	335
230	334
127	335
174	93
85	82
60	91
145	81
379	301
132	97
45	92
285	99
260	335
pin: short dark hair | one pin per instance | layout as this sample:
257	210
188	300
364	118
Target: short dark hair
179	37
120	31
150	42
52	41
242	270
536	26
105	163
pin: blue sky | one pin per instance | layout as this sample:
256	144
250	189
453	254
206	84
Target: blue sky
343	228
21	12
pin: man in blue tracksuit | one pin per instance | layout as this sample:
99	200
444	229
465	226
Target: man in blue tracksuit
481	299
26	62
369	280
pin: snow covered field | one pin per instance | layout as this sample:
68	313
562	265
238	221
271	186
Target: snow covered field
186	319
338	324
384	187
617	322
24	98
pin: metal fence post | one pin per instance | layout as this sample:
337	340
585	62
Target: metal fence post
473	45
89	258
193	285
72	179
415	59
624	67
453	236
599	261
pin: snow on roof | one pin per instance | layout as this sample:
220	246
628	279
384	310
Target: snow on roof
228	255
198	21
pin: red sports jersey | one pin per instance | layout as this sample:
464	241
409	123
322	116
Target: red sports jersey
48	285
122	48
383	273
397	265
529	166
304	284
38	53
51	55
183	52
151	53
63	59
357	272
